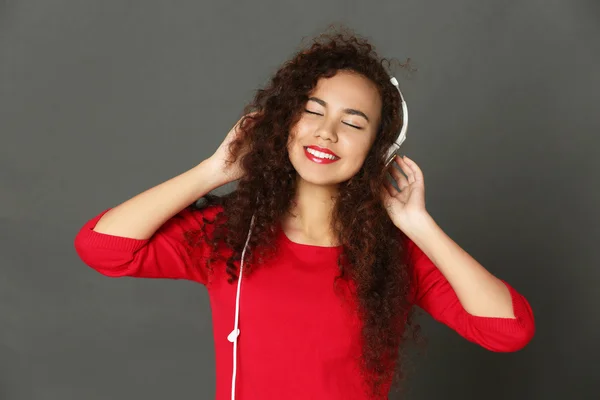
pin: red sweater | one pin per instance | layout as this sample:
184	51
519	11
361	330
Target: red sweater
298	340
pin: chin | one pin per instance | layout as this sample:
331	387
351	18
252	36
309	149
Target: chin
319	181
316	177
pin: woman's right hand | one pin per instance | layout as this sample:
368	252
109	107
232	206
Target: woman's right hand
222	159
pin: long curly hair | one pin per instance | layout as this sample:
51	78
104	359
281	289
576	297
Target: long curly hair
373	255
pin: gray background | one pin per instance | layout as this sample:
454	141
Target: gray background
100	100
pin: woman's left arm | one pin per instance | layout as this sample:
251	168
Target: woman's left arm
491	313
480	292
450	284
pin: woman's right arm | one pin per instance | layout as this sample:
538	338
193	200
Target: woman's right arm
142	215
144	236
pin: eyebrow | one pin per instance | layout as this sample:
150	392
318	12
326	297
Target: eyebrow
346	110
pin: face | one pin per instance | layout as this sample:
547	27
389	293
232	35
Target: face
341	117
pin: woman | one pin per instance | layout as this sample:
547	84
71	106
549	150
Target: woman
332	257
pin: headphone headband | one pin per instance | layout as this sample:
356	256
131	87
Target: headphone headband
402	135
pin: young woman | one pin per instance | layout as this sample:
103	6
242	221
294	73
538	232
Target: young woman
332	257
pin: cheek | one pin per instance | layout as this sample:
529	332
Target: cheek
292	139
357	146
301	126
298	133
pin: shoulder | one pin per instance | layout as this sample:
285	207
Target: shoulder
191	220
205	218
209	211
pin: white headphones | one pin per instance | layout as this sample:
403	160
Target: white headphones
233	336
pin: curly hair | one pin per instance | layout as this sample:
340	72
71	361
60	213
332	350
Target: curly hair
373	255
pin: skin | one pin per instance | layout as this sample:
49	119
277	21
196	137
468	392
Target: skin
309	220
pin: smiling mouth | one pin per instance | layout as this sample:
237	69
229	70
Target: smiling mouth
319	157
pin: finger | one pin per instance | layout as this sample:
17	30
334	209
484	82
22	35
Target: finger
416	171
406	169
399	178
391	190
385	195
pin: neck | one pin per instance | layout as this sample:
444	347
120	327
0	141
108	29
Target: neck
309	216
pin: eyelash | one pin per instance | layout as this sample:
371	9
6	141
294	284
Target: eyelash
353	126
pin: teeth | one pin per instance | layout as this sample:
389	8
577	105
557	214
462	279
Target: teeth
320	154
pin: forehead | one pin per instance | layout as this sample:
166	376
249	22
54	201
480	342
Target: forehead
347	89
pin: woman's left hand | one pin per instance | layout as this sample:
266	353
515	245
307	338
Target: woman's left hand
407	206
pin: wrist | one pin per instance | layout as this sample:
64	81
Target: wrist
208	173
420	224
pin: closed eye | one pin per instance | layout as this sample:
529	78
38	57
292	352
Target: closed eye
353	126
310	112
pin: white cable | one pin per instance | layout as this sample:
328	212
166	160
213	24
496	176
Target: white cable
233	336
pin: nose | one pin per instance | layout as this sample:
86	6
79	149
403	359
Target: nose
327	130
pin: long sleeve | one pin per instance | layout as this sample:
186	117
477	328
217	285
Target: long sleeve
164	255
434	294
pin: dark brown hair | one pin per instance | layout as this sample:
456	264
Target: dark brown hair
373	248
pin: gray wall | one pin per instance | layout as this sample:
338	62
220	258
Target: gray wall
100	100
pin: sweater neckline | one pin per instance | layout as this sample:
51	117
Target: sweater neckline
308	248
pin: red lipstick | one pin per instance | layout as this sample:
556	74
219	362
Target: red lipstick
320	160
